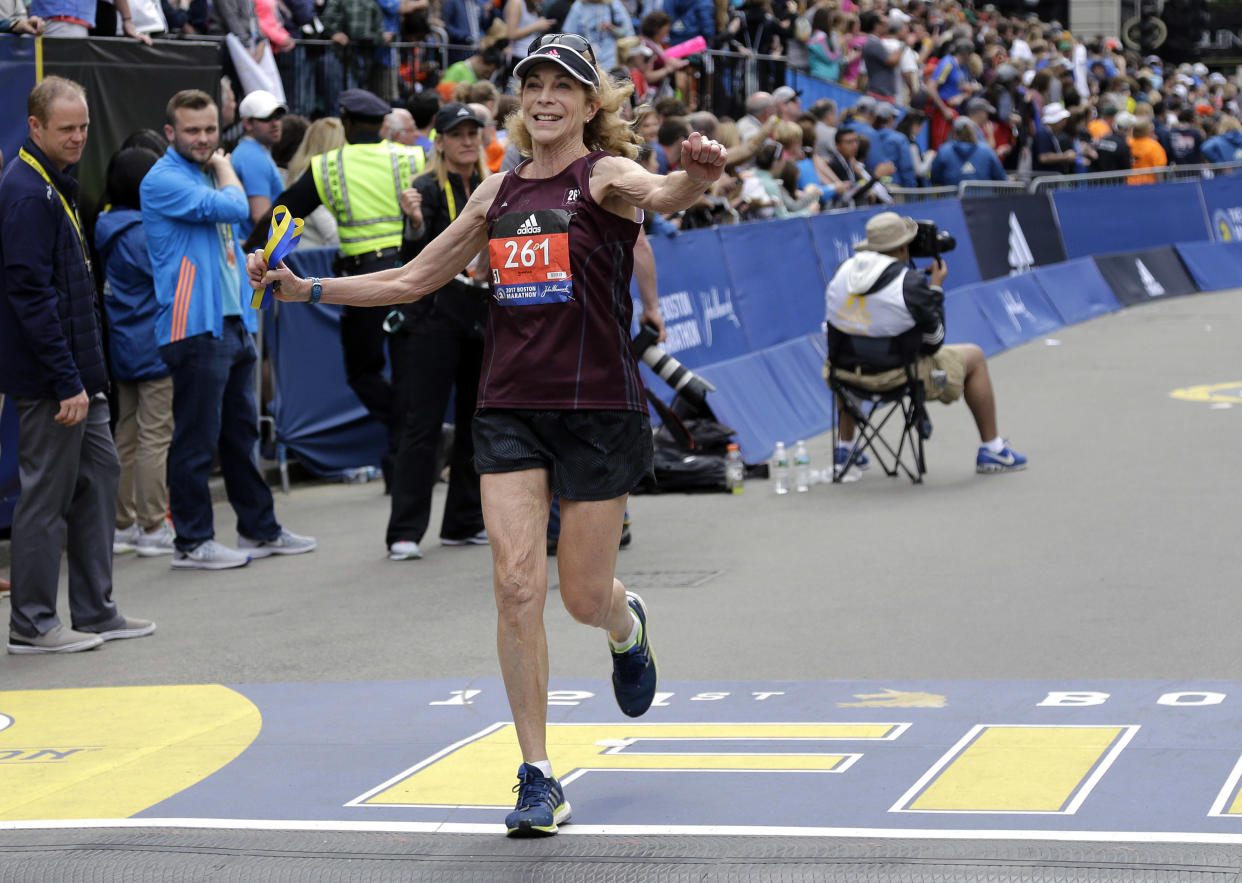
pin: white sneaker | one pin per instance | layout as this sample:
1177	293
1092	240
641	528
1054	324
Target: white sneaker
285	544
126	540
159	542
404	550
210	555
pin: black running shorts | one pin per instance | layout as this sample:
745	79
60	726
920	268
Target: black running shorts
589	455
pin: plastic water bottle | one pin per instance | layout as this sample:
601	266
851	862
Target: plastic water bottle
735	473
780	468
802	467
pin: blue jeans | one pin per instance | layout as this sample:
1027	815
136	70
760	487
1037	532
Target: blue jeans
214	409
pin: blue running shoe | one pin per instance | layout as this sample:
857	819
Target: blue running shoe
1008	460
634	668
541	805
840	455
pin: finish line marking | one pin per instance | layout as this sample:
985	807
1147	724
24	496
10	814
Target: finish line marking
1123	761
497	830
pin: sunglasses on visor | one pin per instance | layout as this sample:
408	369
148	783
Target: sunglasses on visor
570	41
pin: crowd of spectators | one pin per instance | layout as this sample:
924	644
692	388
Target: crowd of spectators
1038	99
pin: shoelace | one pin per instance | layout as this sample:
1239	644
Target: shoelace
532	791
633	661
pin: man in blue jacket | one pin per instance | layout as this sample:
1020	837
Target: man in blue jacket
892	146
52	364
192	202
963	158
1226	144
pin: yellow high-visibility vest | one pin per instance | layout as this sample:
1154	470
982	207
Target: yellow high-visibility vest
361	185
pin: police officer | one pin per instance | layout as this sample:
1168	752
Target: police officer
361	184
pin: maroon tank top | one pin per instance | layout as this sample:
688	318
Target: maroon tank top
558	334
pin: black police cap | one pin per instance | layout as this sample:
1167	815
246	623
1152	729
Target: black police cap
361	103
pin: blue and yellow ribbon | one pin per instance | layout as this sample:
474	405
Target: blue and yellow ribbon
282	238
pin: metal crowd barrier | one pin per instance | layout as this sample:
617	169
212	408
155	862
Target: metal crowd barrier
1049	183
971	189
903	195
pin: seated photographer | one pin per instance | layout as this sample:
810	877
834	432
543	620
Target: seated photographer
882	311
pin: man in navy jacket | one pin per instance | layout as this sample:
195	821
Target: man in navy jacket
51	363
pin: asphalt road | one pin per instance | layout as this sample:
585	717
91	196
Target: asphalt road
1115	554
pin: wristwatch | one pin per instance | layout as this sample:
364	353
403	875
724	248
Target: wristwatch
316	290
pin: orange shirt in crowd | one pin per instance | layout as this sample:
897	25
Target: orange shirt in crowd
1147	154
494	155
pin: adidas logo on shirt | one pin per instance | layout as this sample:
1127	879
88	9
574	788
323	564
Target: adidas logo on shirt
530	225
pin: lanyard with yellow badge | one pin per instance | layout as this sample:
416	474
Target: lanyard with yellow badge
69	210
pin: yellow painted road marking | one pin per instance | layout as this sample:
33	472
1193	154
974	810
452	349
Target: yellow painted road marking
112	752
1228	802
1022	769
479	771
1211	392
890	698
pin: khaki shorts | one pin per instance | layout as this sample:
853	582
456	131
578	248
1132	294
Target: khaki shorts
949	359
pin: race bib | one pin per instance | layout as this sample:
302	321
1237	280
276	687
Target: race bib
529	253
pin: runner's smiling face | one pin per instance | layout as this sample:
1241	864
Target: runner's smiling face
555	104
195	134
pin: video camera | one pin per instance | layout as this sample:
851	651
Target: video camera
930	241
685	382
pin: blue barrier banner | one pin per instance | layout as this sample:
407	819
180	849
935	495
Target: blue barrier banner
10	483
745	399
1077	290
1016	308
1013	234
317	415
947	213
17	78
964	322
1222	197
778	288
1140	276
798	367
1214	266
775	395
696	300
835	236
1107	219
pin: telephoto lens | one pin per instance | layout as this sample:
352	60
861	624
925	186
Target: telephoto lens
685	382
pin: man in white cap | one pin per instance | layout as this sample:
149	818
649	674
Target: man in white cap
788	103
261	114
880	308
908	68
1054	150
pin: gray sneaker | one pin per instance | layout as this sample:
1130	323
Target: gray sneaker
126	628
285	544
59	640
210	555
126	539
160	542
